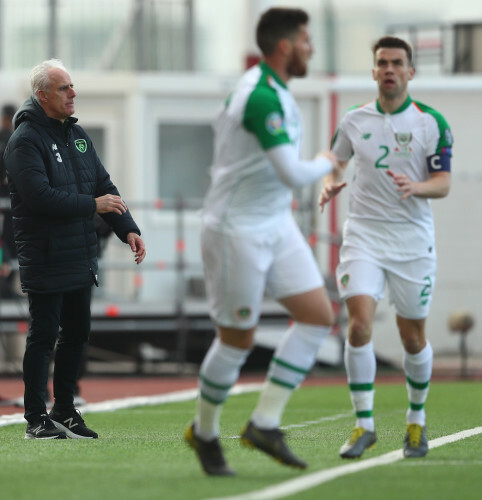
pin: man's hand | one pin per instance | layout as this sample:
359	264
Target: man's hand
329	155
137	246
332	183
404	184
5	270
328	192
110	203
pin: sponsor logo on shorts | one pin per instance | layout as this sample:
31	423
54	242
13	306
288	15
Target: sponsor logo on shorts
345	279
244	312
275	124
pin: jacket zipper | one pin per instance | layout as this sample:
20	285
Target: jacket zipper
76	173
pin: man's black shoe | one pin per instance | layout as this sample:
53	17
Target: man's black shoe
209	453
271	441
43	428
72	424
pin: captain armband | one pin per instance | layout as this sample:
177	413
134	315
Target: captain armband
438	163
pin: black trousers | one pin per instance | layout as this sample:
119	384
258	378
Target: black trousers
69	311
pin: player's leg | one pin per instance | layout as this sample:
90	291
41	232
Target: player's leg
417	363
235	279
361	284
412	297
295	280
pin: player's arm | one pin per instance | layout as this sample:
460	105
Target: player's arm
264	118
438	183
438	163
295	172
333	182
436	186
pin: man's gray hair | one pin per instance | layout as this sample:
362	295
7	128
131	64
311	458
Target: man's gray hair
39	76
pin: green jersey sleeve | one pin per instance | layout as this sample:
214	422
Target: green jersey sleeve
444	137
264	118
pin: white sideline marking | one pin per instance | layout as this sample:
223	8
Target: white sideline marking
303	483
120	404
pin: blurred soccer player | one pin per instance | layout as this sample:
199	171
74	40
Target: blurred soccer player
250	242
401	150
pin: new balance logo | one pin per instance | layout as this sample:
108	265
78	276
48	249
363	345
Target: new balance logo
70	423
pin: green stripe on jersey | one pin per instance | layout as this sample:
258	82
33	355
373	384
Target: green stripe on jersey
263	115
445	139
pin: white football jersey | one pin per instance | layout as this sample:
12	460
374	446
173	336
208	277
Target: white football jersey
246	193
402	142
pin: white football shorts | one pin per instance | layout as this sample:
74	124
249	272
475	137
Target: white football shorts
239	268
410	283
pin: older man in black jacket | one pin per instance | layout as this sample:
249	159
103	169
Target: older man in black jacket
57	183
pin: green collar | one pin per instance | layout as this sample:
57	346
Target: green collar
268	69
403	107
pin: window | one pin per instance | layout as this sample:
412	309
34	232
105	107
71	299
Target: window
185	157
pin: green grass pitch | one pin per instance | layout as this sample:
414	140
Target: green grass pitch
141	454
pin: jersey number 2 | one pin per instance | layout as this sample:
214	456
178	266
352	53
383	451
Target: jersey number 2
378	163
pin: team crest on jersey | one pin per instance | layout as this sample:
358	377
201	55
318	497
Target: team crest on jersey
81	145
403	140
344	280
244	312
275	124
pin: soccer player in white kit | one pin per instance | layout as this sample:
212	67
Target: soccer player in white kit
401	151
250	242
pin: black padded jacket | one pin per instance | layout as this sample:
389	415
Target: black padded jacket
54	175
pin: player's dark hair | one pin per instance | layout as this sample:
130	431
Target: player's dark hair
392	42
276	24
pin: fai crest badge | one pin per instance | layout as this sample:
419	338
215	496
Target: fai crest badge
81	145
403	150
403	138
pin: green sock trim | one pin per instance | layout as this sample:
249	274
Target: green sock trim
417	406
361	387
284	364
281	383
417	385
213	385
212	400
364	414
